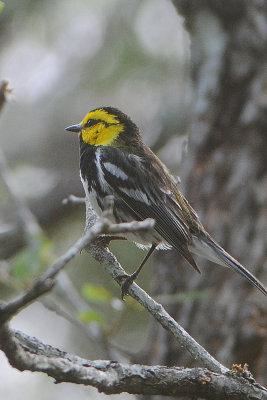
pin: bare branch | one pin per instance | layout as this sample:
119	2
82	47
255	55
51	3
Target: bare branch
159	313
53	365
111	377
45	283
102	254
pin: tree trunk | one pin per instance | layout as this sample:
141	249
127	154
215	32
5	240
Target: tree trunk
225	181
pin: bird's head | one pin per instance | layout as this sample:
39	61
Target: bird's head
107	126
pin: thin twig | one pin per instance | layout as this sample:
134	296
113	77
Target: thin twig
45	283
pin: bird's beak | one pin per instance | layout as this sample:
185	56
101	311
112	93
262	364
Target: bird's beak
74	128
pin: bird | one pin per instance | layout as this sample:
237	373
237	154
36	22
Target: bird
114	161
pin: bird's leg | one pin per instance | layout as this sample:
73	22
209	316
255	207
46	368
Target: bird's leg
131	278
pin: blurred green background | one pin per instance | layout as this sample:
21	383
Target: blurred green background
63	58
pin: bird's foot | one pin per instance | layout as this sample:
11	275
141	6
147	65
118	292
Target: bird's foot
128	280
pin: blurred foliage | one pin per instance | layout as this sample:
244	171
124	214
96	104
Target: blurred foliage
91	316
32	260
96	293
28	264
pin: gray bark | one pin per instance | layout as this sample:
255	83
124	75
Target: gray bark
111	377
225	180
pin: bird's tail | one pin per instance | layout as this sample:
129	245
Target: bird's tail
206	247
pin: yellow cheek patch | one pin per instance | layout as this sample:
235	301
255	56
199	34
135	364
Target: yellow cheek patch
100	134
102	115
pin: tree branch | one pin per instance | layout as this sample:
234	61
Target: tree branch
27	353
102	254
45	283
110	377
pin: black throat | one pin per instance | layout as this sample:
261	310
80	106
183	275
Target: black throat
88	163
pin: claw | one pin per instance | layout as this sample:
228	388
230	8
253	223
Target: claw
131	278
126	284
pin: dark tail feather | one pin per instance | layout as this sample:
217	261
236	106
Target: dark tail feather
229	261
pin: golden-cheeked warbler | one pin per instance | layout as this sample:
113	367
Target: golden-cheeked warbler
115	161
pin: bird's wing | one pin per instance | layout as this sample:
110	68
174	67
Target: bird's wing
136	183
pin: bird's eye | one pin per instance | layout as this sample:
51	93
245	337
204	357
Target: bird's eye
90	122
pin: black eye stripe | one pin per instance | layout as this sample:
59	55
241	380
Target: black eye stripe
92	122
